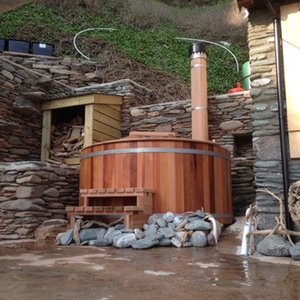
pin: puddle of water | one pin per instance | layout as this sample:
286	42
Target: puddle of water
159	273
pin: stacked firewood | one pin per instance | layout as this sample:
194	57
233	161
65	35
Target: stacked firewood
67	140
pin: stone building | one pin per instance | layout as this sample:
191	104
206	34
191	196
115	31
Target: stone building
273	39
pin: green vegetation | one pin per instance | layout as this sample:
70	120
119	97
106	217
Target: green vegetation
146	33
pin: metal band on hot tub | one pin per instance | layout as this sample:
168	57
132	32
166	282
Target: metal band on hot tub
154	150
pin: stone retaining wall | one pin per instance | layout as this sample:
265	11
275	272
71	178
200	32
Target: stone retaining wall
33	192
22	91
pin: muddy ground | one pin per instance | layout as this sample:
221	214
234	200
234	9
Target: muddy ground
42	270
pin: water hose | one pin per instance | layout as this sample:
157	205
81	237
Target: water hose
216	44
85	30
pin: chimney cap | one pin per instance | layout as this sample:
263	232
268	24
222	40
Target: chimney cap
198	48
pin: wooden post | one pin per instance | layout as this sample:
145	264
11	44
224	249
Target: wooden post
198	56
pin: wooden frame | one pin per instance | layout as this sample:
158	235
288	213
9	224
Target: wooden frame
102	119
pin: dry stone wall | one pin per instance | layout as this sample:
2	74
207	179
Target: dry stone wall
33	192
22	90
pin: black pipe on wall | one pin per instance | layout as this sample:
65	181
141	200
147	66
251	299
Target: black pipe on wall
281	110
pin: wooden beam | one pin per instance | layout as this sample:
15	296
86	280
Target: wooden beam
46	135
82	100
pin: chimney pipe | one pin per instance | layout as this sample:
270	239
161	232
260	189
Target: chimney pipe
198	56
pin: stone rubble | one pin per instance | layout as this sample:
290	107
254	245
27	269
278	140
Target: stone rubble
186	230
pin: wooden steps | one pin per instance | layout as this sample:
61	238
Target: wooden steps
134	204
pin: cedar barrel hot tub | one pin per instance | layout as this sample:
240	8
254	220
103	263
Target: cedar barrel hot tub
182	174
185	174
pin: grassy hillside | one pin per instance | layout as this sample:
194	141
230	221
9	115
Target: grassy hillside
144	47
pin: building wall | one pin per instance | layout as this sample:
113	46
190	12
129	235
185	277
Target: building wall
266	133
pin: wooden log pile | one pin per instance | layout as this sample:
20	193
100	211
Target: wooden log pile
67	140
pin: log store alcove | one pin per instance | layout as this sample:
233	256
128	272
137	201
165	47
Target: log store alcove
79	122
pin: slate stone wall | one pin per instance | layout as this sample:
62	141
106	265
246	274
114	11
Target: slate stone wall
266	135
22	91
33	192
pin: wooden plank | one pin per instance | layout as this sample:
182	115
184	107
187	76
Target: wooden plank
294	138
82	100
104	128
114	111
174	199
136	221
102	132
179	162
72	161
86	168
108	99
290	24
133	208
46	135
88	125
142	134
207	177
108	120
70	208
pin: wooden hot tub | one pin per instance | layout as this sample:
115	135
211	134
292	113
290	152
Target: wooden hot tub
185	174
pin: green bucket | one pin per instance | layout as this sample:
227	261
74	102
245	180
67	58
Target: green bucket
246	76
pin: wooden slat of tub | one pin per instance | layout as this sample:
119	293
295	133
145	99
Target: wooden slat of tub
218	181
160	181
109	170
145	162
188	183
169	192
144	170
229	192
179	180
172	176
132	170
207	174
120	174
87	169
100	177
220	198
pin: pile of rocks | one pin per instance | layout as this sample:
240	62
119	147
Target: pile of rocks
191	229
